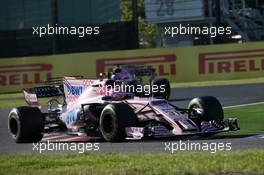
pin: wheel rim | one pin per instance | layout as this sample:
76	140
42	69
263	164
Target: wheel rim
197	107
108	124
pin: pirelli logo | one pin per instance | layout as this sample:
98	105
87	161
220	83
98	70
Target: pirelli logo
24	74
164	64
231	62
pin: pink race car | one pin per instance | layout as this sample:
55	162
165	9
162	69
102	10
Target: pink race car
88	106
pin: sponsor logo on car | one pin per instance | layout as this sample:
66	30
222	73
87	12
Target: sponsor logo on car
74	90
231	62
164	64
73	116
24	74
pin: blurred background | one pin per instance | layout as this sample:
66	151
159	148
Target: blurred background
124	24
17	17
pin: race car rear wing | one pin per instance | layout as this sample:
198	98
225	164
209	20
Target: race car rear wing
67	87
46	91
30	98
53	88
32	94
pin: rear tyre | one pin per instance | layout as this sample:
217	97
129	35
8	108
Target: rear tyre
114	119
206	108
164	89
26	124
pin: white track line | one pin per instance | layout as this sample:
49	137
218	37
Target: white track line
258	136
243	105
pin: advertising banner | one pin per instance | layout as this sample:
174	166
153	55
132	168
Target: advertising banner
182	64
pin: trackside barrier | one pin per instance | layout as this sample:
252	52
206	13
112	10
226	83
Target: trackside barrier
182	64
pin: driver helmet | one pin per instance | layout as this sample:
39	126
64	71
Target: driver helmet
117	70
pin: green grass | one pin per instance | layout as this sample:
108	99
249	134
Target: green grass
10	100
16	102
11	103
250	118
11	95
135	163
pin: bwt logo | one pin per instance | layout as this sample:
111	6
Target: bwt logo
164	64
25	74
230	62
74	90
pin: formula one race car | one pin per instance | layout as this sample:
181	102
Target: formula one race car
95	106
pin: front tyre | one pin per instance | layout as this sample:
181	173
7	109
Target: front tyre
206	108
114	119
26	124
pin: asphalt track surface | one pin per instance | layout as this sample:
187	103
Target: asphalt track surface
228	96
